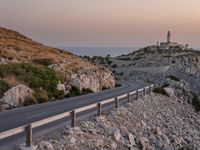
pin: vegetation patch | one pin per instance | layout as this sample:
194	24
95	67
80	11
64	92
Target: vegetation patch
86	91
34	76
30	100
118	85
43	61
165	85
114	65
196	102
160	90
3	87
76	92
125	58
173	78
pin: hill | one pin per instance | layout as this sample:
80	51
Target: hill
49	73
156	65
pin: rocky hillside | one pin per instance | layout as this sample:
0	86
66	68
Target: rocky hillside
157	65
49	73
154	64
154	122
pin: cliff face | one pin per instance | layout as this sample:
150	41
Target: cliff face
41	68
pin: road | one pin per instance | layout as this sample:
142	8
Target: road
153	70
22	116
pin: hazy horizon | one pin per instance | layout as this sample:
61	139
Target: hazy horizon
106	23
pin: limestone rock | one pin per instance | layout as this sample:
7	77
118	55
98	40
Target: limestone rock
93	80
44	145
169	92
72	140
15	96
131	139
114	132
144	142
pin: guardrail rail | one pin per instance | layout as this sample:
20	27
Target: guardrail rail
29	127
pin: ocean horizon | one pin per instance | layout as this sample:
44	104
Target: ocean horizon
100	51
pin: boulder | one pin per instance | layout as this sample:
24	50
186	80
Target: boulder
144	142
169	92
93	80
15	96
131	138
114	132
72	140
44	145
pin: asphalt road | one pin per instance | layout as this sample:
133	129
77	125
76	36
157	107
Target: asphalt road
22	116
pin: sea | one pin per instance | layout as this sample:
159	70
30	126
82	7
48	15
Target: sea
100	51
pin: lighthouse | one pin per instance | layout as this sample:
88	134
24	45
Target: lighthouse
168	37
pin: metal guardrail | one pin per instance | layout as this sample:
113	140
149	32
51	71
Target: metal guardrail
28	128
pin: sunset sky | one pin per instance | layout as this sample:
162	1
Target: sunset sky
103	22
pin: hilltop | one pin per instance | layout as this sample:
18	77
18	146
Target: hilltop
155	64
45	73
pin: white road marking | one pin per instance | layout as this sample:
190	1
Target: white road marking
33	116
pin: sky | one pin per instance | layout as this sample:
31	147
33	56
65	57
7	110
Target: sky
115	23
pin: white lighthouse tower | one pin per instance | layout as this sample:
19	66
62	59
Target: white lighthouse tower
168	37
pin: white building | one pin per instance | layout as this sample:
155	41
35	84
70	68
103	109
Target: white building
171	45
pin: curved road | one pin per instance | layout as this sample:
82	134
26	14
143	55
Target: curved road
22	116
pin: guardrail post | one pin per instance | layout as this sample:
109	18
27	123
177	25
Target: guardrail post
144	90
73	118
29	135
150	88
116	102
128	97
99	109
137	95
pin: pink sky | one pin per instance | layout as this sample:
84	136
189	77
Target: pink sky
103	22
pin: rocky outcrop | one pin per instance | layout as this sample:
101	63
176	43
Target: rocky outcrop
155	122
156	64
93	80
15	97
178	89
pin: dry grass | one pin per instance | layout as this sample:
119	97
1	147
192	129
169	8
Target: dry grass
13	45
11	80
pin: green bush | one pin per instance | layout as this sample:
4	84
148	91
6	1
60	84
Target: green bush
125	58
43	61
73	92
165	85
34	76
41	96
76	92
196	102
86	91
3	87
118	85
121	73
114	66
104	88
109	62
160	90
173	78
29	100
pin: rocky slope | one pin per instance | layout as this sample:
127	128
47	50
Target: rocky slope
42	68
154	122
154	64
